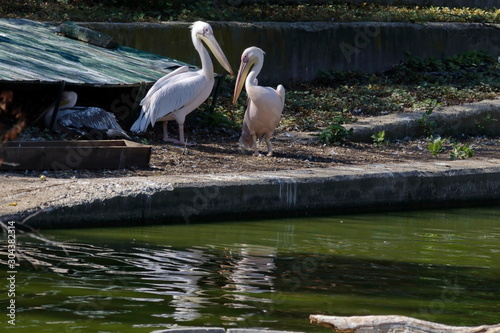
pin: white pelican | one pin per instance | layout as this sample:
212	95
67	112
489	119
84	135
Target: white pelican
178	93
265	104
82	119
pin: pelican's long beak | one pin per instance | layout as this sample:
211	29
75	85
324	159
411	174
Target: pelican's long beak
217	51
245	67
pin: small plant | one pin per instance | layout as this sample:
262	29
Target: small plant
336	133
215	119
461	151
379	139
436	146
427	123
484	125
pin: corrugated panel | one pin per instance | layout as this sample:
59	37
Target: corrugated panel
32	52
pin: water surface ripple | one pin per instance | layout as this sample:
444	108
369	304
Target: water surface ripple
436	265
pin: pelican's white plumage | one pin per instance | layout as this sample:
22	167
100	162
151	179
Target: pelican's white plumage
82	119
178	93
265	104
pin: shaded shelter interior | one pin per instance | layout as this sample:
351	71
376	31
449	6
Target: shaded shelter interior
34	98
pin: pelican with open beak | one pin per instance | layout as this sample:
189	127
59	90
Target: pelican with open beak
264	104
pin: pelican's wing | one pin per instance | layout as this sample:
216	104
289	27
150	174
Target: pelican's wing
90	117
162	81
182	91
280	90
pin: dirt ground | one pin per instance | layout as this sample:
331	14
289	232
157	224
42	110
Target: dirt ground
295	151
215	153
221	153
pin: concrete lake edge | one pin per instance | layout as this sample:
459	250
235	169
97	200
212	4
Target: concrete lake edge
100	202
105	202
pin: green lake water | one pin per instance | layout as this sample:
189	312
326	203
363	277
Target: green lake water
438	265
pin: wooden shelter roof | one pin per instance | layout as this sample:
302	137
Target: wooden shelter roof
34	52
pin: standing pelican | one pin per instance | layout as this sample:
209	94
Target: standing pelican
178	93
82	119
265	104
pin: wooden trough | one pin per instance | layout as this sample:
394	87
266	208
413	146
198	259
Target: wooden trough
72	155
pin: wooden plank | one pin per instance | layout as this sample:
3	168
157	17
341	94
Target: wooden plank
71	155
67	144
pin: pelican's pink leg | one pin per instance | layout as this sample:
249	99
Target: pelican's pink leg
269	148
255	147
181	134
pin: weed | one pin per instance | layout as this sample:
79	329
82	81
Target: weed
484	125
215	119
336	133
379	139
436	146
428	124
461	151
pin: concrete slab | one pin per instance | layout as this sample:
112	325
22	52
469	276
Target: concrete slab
97	202
468	119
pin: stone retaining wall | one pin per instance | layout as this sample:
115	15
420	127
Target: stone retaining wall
297	52
73	203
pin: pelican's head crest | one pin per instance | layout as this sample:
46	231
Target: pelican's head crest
251	53
203	31
201	28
